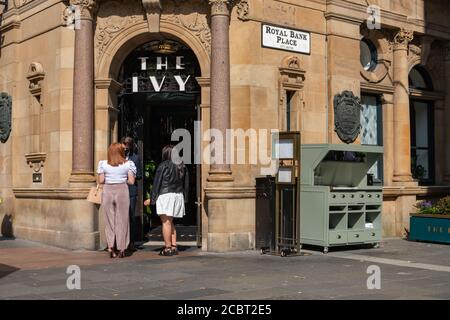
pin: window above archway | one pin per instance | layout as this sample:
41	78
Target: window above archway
419	79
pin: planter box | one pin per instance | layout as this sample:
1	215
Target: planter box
430	227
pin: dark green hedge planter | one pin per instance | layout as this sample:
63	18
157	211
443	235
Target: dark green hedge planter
430	227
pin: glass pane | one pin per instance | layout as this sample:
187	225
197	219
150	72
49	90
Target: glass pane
365	56
421	115
422	169
369	120
416	79
368	55
375	171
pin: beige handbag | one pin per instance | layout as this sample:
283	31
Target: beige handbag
95	194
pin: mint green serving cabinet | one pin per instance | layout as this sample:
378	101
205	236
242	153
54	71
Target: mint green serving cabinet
338	207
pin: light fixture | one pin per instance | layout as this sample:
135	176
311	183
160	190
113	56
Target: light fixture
164	47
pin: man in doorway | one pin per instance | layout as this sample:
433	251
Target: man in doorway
131	154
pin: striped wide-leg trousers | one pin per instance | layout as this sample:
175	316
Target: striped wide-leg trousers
116	203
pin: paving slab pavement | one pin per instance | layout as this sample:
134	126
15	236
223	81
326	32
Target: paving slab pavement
409	270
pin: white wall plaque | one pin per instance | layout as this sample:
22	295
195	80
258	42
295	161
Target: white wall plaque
285	175
283	149
285	39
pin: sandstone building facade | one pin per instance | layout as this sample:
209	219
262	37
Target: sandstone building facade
71	69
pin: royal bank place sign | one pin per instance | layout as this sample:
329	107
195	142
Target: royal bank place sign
286	39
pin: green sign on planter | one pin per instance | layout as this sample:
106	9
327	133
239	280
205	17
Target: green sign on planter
430	227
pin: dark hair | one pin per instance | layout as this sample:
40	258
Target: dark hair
129	142
167	156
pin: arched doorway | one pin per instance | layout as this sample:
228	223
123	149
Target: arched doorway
160	94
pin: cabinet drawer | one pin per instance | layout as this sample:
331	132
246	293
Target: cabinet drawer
356	236
373	235
337	237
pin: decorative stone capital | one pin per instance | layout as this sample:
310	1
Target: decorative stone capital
220	7
87	8
402	39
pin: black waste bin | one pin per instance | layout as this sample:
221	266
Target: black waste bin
265	213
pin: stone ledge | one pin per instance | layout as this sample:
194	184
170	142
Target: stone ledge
58	238
51	193
424	215
14	24
393	192
230	192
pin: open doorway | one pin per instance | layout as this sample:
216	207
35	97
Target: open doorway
160	94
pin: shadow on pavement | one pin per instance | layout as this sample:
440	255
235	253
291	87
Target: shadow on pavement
338	248
181	248
7	270
2	238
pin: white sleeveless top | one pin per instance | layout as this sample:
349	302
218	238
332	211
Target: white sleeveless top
115	175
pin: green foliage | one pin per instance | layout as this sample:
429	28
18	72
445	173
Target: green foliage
442	206
149	174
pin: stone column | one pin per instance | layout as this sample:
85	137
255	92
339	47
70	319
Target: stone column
83	95
447	112
402	138
220	84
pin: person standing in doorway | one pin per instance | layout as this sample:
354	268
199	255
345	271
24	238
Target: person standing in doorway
169	193
132	155
115	173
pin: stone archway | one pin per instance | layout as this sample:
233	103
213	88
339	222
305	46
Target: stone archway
112	57
117	34
122	27
114	54
113	45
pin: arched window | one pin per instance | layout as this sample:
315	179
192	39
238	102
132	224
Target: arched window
419	79
422	129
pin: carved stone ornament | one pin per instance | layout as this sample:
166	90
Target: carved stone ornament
347	116
243	10
112	18
291	73
153	11
5	116
36	160
402	39
21	3
87	7
195	22
115	16
220	7
35	75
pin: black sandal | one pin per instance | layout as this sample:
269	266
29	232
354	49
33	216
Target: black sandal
174	250
166	252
